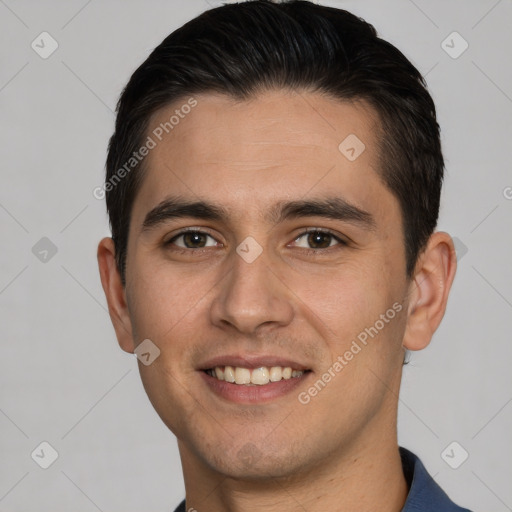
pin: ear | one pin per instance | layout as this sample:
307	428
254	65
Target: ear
115	294
429	290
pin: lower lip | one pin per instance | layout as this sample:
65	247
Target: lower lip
243	394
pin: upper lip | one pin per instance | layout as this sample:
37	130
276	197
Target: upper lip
252	361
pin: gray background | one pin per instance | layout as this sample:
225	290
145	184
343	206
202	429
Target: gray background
63	378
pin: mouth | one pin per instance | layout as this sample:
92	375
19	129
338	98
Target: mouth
253	379
261	376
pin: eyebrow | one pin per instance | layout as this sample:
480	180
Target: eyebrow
335	208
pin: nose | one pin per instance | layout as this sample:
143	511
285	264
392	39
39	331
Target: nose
252	296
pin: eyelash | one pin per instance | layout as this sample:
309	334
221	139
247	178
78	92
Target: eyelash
309	251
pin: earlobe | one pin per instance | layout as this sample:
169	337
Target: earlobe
115	294
429	290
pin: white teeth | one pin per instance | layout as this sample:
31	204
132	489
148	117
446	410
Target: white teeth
276	374
242	375
257	376
260	376
229	374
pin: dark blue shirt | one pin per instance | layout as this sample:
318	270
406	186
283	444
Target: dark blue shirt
424	493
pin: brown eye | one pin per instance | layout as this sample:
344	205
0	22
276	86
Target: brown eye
317	239
192	240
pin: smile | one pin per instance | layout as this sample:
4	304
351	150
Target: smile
255	376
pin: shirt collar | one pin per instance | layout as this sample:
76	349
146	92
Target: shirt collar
424	493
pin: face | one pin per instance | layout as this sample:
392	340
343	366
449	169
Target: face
256	243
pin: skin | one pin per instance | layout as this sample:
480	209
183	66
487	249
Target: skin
339	451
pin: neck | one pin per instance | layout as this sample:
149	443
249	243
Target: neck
366	477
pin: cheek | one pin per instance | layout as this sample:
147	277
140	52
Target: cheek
360	317
344	301
164	301
171	309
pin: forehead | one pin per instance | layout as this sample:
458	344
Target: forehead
247	154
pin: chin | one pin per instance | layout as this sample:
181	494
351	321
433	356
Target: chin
252	461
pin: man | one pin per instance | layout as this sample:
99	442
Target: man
273	188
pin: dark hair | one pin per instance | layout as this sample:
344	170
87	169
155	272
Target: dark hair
241	49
